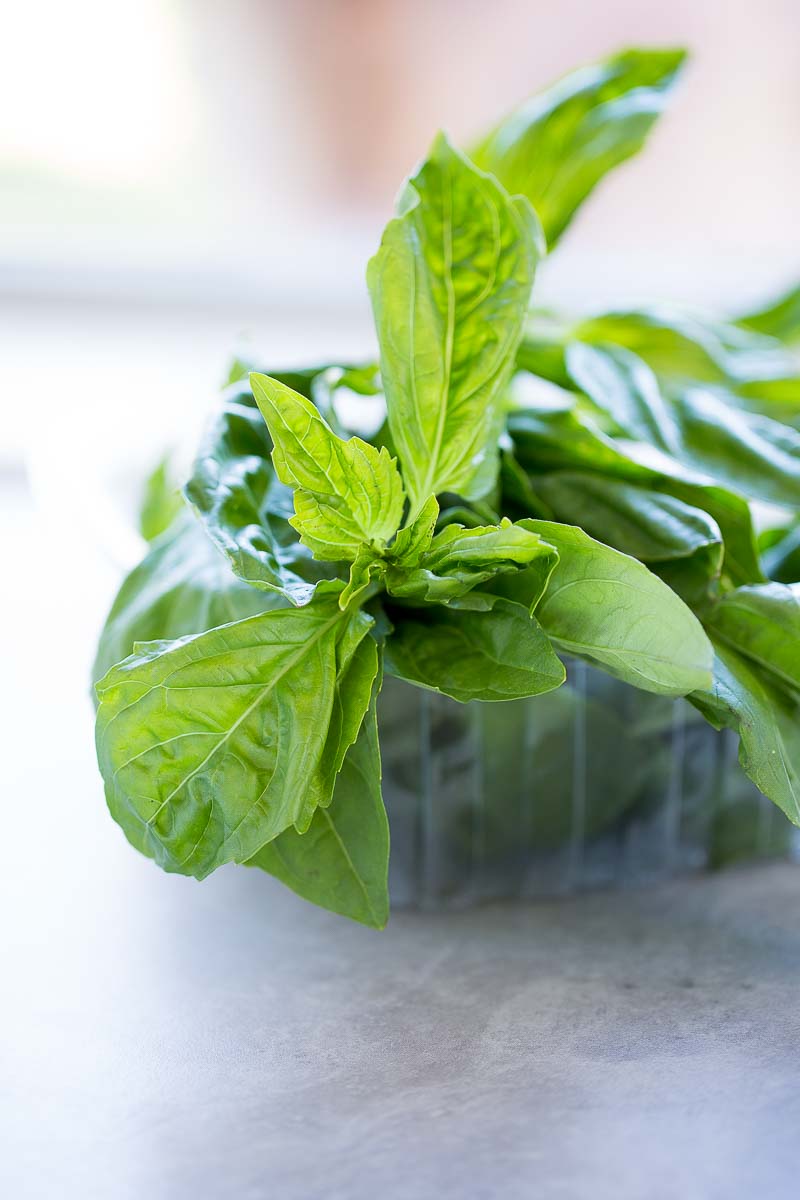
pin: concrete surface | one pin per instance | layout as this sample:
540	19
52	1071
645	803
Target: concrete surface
164	1039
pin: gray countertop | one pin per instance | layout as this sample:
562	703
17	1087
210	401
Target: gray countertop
168	1039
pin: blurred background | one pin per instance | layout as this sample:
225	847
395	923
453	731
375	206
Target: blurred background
179	178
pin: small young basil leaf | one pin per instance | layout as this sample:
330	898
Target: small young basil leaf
365	569
779	319
497	654
347	494
245	507
183	585
161	501
608	608
763	623
623	386
210	746
459	559
681	543
558	146
414	539
766	720
450	286
562	438
341	862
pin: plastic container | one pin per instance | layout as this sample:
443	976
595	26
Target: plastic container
594	785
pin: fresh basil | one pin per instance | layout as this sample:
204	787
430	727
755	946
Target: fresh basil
509	485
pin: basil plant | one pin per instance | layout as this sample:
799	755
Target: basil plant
494	523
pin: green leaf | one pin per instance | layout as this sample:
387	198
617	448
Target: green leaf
763	623
450	286
497	654
547	440
656	528
183	585
347	494
341	862
459	559
414	539
211	746
161	501
558	146
246	509
609	609
623	386
782	558
779	319
767	722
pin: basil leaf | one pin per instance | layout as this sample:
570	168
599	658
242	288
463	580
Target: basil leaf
183	585
347	494
779	319
414	539
246	509
459	559
767	722
622	385
161	501
497	654
212	745
562	438
782	559
341	862
558	146
764	624
683	544
450	286
609	609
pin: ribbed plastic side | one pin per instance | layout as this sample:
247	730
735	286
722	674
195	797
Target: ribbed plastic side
594	785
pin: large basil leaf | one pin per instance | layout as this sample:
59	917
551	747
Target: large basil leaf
766	720
562	438
211	746
246	508
347	495
560	144
609	609
450	286
497	654
183	585
753	454
341	862
763	623
459	559
683	544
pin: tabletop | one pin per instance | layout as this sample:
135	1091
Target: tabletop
170	1039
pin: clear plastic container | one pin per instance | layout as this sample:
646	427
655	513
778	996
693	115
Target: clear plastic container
594	785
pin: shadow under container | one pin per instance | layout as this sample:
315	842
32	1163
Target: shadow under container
596	784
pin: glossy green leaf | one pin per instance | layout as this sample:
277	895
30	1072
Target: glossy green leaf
246	508
656	528
414	539
558	146
347	494
341	862
548	440
782	559
623	386
763	622
766	720
183	585
610	609
211	746
460	559
450	286
497	654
